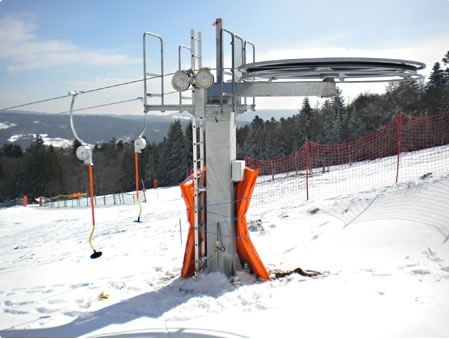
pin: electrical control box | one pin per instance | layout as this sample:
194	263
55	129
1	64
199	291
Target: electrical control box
237	170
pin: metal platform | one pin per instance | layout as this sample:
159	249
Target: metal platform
336	69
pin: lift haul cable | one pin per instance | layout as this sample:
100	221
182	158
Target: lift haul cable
90	91
81	92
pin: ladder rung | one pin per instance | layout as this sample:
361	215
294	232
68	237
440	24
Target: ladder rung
190	98
153	74
196	56
202	189
154	95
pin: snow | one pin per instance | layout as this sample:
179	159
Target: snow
5	125
385	273
55	142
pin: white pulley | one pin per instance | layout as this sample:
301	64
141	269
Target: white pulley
139	145
84	153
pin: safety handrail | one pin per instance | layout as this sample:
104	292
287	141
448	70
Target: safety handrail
145	74
245	61
180	48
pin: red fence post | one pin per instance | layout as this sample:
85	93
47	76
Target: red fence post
307	168
399	122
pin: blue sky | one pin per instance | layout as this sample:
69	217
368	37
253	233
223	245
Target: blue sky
48	47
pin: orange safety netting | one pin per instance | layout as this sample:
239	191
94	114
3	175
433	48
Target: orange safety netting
245	248
382	157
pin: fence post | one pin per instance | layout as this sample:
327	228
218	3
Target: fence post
399	122
307	163
180	230
296	162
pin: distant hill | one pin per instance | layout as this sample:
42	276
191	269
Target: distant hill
21	127
266	114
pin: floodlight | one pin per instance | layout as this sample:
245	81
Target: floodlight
204	78
139	144
181	81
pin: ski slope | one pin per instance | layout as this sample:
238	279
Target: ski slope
384	273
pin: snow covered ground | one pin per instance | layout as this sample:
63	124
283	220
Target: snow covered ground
55	142
384	273
5	125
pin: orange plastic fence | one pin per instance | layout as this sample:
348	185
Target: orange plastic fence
245	248
402	134
188	264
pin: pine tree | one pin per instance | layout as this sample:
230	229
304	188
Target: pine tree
305	118
444	104
127	170
435	89
242	135
173	164
328	122
334	119
446	59
43	173
12	150
407	96
254	142
286	136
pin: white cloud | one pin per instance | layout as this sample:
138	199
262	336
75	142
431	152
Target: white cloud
22	49
428	51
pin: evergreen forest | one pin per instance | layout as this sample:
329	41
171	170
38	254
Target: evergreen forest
47	171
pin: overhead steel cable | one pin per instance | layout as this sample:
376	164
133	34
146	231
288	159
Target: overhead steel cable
34	102
117	85
91	90
97	106
83	92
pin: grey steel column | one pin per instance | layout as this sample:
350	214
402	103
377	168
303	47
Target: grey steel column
221	151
